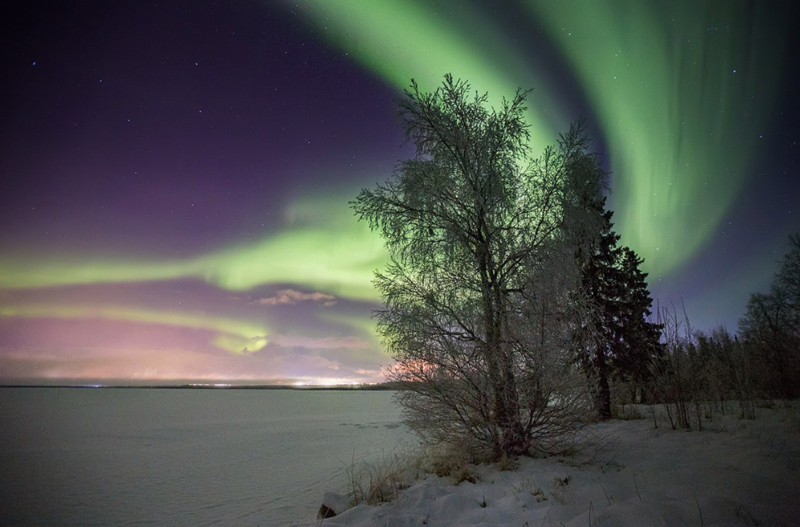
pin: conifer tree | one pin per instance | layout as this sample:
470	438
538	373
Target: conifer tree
625	340
639	342
600	285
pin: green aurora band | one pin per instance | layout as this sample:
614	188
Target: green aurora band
678	90
322	248
233	335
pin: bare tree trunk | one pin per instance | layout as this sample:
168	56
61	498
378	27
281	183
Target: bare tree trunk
515	439
500	361
603	393
491	355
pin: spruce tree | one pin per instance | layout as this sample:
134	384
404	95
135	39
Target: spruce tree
639	343
617	287
601	285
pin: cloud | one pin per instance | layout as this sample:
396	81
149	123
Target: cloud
290	296
369	373
350	342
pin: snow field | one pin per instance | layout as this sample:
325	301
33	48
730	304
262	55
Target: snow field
735	472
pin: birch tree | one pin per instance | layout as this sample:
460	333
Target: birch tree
477	235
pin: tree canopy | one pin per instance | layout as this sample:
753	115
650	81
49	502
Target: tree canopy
482	239
771	324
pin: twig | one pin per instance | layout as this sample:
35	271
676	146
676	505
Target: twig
606	493
779	451
636	487
698	508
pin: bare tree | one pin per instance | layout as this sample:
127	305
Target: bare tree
472	224
771	326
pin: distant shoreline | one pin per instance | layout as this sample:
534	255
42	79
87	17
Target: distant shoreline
337	387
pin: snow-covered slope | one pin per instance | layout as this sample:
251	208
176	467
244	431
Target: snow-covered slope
735	472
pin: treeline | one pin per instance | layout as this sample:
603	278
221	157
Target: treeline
696	374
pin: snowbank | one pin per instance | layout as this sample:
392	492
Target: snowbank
736	472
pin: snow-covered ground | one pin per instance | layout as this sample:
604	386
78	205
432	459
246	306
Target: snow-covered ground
735	472
239	458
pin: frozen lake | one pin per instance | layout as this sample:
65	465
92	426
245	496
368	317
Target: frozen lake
183	457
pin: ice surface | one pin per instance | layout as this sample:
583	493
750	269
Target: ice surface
182	457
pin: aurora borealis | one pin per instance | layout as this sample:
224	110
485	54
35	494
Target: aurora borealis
175	176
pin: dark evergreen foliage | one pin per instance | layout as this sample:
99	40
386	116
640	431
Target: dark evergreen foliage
626	340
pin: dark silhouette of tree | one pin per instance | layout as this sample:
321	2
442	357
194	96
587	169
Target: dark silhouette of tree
602	284
626	341
771	325
475	230
638	344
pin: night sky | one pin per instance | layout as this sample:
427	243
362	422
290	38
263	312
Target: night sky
174	176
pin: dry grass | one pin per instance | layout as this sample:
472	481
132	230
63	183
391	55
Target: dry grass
381	481
446	462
